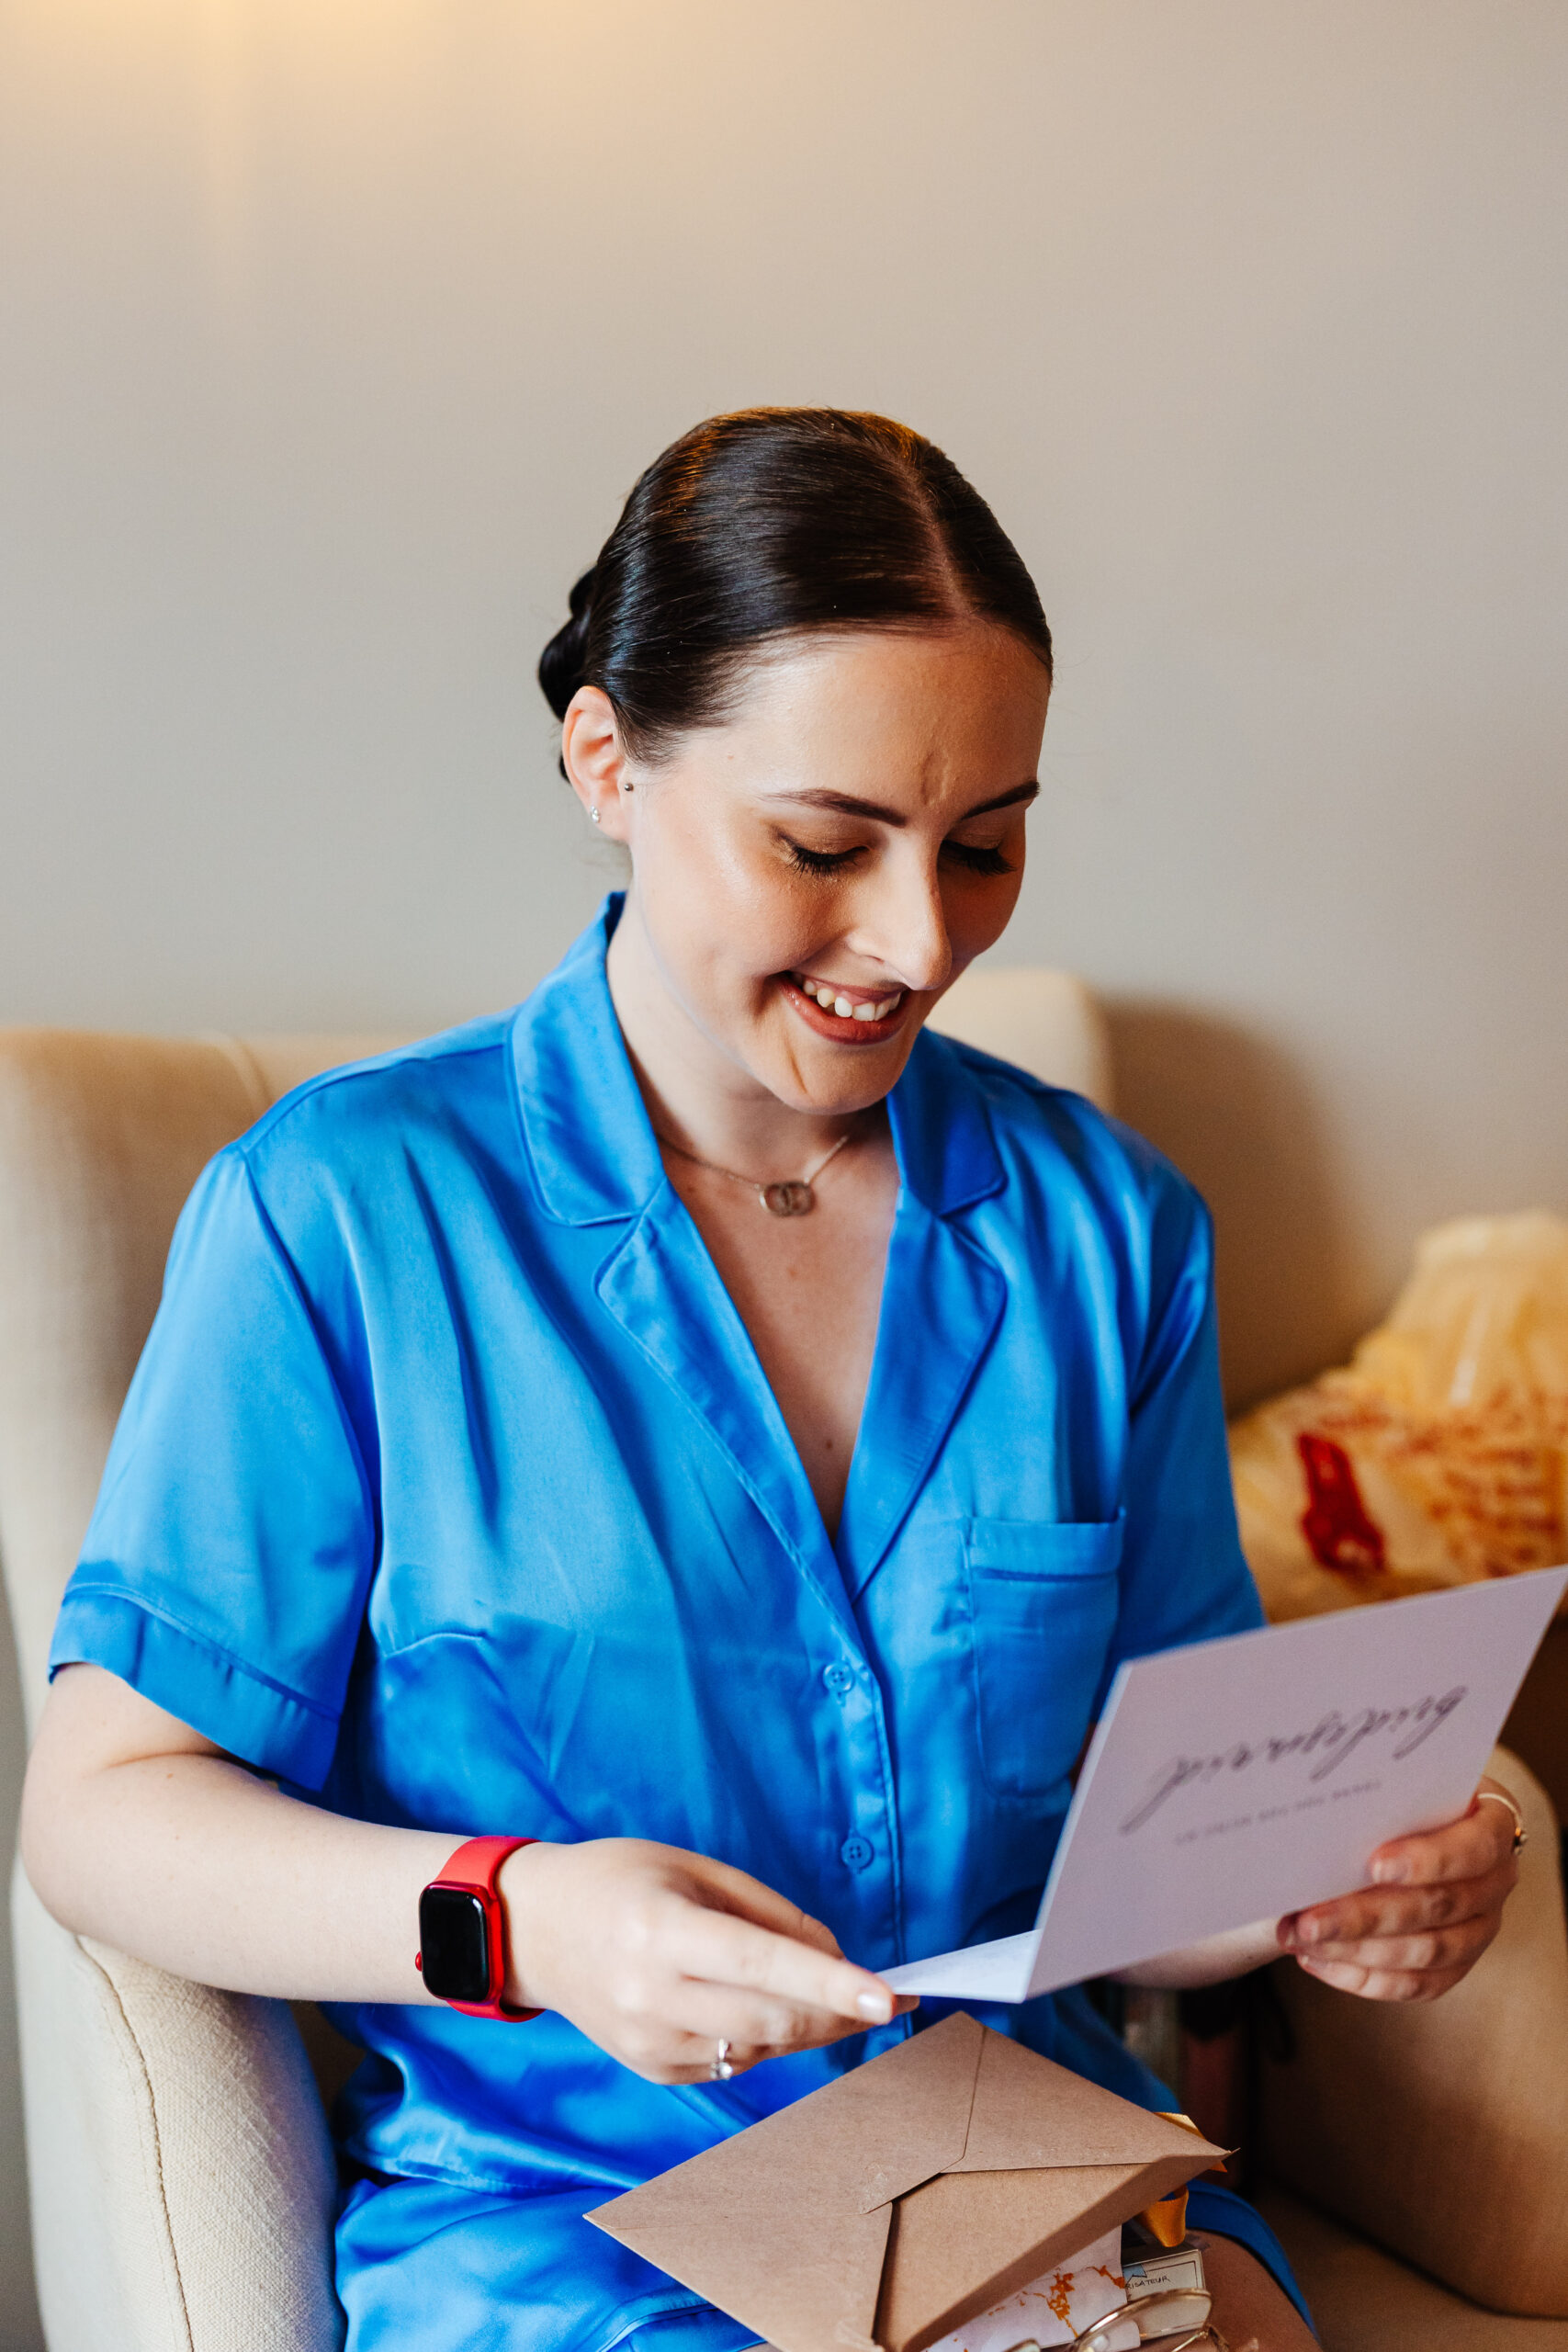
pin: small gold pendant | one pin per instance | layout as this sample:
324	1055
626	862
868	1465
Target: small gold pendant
788	1200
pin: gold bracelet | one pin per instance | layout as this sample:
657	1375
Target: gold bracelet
1495	1796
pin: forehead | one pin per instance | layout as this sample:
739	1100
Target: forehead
921	712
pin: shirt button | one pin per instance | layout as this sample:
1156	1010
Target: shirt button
856	1852
839	1680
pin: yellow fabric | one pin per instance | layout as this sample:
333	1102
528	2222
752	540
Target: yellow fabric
1165	2221
1439	1455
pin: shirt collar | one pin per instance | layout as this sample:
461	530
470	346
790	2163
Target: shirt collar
587	1132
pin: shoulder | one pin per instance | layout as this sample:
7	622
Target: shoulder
364	1107
1088	1207
335	1153
1051	1140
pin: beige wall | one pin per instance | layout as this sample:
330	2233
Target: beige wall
337	329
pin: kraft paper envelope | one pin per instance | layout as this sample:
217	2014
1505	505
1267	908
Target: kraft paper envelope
891	2205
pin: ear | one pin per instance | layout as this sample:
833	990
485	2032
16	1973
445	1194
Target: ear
595	761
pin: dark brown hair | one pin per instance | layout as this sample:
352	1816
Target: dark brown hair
772	523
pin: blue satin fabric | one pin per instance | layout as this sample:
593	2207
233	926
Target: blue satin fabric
450	1490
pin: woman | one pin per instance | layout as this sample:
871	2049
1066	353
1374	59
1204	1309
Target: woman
701	1423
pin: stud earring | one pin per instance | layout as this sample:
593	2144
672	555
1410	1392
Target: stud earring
593	816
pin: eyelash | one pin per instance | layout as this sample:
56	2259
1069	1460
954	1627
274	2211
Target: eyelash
822	864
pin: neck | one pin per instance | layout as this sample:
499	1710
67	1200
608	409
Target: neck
697	1092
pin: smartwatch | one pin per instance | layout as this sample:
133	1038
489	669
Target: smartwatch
462	1932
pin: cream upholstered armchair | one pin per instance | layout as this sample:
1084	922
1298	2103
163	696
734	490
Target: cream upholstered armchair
182	2179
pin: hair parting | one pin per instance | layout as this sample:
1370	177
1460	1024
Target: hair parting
768	524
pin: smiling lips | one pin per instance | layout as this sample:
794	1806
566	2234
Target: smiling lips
843	1006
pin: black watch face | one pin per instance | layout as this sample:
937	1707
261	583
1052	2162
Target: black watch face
453	1946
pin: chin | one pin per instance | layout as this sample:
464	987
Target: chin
834	1083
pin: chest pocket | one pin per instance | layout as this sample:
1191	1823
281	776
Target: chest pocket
1042	1604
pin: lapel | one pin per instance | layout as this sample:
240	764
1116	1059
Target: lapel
663	1289
941	1299
596	1162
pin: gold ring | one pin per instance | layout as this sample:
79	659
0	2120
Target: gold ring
1495	1796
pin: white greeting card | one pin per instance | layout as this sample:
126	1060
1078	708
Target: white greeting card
1236	1780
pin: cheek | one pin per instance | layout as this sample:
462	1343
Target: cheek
976	912
716	906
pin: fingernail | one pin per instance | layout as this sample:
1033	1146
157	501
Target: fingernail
1286	1930
1388	1873
876	2007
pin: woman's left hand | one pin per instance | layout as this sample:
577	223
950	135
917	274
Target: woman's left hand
1435	1905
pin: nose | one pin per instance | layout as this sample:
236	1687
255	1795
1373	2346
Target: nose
902	924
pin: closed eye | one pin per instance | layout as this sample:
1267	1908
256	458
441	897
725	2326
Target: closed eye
821	861
825	861
978	860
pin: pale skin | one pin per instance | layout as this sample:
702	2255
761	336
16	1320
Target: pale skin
854	827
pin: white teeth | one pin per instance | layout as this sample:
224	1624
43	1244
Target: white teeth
829	998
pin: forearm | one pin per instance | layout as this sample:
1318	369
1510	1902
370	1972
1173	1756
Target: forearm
192	1862
1209	1963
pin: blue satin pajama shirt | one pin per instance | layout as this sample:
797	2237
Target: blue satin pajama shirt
450	1490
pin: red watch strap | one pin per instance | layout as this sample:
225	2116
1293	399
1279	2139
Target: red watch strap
478	1862
475	1867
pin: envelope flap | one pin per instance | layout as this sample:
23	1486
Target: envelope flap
920	2121
786	2224
777	2249
1028	2110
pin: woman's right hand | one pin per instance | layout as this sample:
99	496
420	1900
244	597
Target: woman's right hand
659	1955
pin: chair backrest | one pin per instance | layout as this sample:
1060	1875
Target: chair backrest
1045	1022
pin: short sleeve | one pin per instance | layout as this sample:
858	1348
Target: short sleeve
1184	1576
225	1570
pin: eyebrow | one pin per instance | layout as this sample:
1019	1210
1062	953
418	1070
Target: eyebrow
844	804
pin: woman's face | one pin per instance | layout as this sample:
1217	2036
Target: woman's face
810	875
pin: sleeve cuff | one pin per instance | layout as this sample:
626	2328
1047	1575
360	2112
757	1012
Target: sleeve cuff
229	1702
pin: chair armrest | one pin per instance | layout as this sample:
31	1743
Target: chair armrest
1441	2131
183	2182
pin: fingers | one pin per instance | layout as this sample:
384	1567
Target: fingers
755	2027
1435	1905
719	1885
1443	1948
1469	1848
672	2033
659	1955
717	1947
1432	1909
1373	1984
1395	1911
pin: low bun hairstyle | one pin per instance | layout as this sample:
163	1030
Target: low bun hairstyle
563	664
771	523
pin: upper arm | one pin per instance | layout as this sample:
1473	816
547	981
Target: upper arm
224	1575
92	1721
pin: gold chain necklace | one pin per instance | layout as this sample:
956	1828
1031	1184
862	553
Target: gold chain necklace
793	1198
